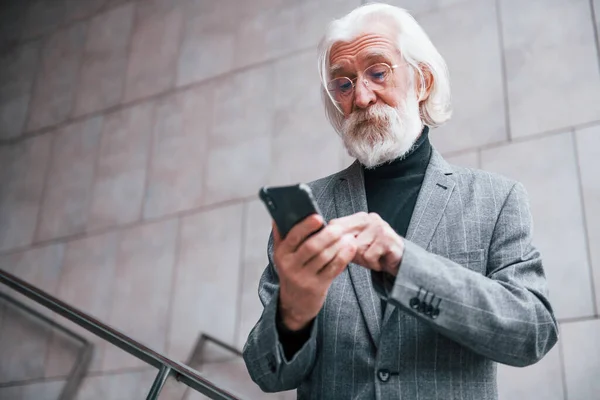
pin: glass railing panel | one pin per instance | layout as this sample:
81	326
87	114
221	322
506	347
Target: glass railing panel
117	385
37	354
46	390
223	364
135	350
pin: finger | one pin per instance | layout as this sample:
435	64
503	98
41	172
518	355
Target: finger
301	231
365	238
339	262
317	243
374	255
354	223
325	256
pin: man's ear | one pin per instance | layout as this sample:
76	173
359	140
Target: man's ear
424	82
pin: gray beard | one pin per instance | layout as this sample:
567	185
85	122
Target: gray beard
378	135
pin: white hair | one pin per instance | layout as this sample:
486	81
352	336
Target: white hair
414	46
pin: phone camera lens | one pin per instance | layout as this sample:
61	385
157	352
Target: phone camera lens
270	204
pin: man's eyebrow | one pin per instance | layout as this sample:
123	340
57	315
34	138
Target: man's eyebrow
336	69
372	55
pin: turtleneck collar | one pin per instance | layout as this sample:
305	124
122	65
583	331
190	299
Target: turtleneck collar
413	162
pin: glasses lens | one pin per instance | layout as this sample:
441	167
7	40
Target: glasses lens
377	74
340	88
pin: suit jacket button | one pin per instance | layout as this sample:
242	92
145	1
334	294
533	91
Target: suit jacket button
414	303
429	310
383	375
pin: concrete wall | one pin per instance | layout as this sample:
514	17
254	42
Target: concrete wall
134	136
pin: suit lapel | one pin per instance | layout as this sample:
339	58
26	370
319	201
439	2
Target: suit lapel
350	198
431	203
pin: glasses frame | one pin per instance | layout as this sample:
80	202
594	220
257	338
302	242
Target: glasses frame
364	81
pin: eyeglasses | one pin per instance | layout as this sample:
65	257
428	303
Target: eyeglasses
375	77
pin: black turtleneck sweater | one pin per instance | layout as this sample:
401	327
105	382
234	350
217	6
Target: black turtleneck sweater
392	188
392	191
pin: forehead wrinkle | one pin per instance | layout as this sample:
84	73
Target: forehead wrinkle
346	61
356	45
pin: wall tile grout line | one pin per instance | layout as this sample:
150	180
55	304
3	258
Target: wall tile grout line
207	207
123	227
42	199
89	374
177	89
574	320
563	372
241	271
110	310
79	72
149	161
182	31
134	22
34	81
586	231
522	139
90	199
595	31
174	275
503	69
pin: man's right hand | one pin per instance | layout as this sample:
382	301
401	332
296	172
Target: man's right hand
306	267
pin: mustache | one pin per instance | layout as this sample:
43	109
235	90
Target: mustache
380	112
376	116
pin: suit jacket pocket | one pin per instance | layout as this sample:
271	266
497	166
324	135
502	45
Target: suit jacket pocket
472	259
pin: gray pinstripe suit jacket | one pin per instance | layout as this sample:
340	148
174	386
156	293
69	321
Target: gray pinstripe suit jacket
468	253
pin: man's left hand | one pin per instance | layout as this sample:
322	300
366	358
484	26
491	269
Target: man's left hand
379	247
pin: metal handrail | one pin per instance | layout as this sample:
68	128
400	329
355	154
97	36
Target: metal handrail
166	366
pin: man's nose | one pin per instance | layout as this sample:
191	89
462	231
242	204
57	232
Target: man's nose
363	95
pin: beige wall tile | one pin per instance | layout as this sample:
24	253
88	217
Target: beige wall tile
237	171
476	81
545	64
178	155
539	381
469	160
17	71
57	76
142	289
104	61
87	281
581	344
156	37
22	173
588	149
207	279
120	178
24	339
71	173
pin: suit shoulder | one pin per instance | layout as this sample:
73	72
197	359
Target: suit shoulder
478	179
320	186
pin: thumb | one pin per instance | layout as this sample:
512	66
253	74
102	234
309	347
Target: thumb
276	235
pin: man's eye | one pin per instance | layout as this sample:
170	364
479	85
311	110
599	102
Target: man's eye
344	87
377	76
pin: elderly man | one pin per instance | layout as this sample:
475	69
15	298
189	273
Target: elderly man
425	276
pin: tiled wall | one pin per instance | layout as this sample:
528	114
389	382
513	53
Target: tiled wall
134	136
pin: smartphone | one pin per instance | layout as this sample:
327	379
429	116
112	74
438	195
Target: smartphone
289	205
